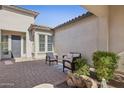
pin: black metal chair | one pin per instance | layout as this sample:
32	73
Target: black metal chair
51	57
69	60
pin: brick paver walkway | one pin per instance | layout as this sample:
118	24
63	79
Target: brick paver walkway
29	74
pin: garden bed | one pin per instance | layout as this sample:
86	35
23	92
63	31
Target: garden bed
116	82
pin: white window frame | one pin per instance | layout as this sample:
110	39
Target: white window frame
50	43
46	42
6	43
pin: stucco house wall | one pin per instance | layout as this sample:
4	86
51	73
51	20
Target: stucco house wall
15	21
116	32
80	36
102	12
116	29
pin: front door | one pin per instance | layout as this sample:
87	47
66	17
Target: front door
16	46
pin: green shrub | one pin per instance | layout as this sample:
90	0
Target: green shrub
105	64
81	66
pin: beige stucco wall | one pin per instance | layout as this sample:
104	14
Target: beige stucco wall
78	37
116	32
14	21
102	12
116	23
111	22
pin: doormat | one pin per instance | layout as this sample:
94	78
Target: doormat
8	62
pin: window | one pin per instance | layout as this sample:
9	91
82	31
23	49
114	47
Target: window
45	43
42	43
50	43
4	43
24	45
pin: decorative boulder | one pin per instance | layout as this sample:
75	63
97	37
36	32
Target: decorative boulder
80	81
90	83
70	83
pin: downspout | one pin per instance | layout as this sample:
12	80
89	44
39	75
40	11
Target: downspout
0	45
108	34
108	28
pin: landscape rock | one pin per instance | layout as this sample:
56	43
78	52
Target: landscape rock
70	83
80	81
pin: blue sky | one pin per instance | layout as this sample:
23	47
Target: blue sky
53	15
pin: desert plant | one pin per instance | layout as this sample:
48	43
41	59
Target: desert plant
81	66
105	64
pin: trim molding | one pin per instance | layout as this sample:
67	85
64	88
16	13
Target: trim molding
20	10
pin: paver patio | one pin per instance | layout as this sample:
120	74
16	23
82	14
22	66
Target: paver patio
29	74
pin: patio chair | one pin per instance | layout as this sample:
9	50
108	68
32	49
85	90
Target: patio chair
51	57
69	60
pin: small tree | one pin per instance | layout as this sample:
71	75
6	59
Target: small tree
105	64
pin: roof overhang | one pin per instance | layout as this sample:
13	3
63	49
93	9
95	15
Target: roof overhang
20	10
83	16
98	10
34	27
